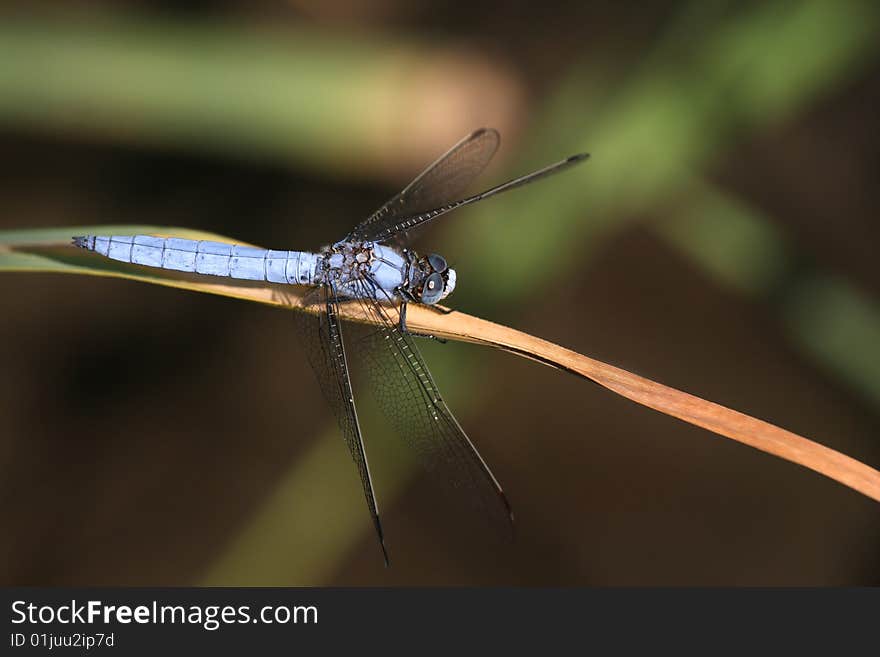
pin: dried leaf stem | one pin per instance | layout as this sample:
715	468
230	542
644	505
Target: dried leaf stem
41	251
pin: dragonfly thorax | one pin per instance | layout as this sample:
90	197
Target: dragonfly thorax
344	262
393	273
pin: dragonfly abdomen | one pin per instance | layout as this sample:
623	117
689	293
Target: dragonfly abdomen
204	257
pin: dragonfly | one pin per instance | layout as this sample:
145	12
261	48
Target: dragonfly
374	268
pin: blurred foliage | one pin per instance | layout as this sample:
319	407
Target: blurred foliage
194	85
718	72
832	321
838	326
253	93
709	81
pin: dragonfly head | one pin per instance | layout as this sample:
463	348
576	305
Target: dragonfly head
439	279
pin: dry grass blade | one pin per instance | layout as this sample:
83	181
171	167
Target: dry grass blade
46	250
700	412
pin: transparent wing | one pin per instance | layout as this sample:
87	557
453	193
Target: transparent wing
409	399
320	333
407	223
441	183
438	190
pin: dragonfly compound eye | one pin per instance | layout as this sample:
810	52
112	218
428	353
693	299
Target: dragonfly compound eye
432	290
438	263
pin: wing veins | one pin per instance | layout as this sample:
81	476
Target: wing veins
442	182
331	369
409	222
448	433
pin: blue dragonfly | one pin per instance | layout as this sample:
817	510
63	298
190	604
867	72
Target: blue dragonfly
373	268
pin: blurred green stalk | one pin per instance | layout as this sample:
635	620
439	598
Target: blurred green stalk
829	320
336	102
710	82
840	329
184	85
317	513
305	529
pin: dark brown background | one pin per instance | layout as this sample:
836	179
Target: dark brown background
144	429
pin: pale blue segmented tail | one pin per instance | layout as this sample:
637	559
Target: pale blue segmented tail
203	257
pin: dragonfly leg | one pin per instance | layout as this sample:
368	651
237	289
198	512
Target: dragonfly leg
403	305
404	329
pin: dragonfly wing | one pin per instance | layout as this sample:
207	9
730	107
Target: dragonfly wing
441	183
320	332
409	399
439	188
408	223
